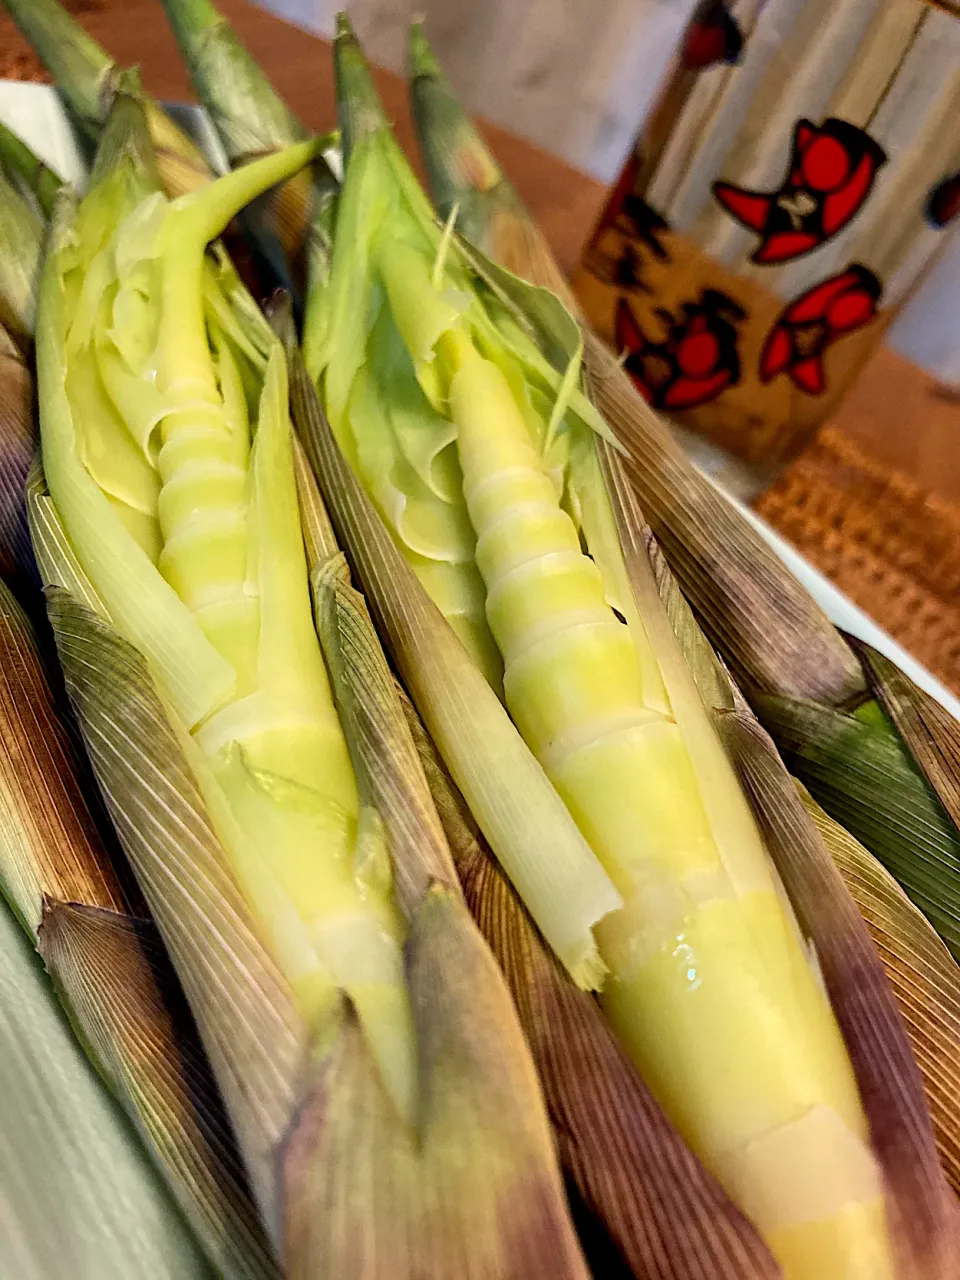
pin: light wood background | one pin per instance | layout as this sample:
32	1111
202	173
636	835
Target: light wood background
574	76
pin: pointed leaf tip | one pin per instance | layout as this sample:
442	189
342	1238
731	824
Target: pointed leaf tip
927	728
422	59
359	108
475	1192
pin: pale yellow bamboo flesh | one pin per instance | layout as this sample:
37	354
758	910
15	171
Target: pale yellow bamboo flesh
709	988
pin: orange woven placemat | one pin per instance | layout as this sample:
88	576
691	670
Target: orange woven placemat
893	547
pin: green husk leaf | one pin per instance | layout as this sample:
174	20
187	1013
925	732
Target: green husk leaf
482	1158
142	603
115	979
547	339
857	769
87	77
663	1213
401	292
460	170
27	168
56	560
923	1215
929	730
769	631
251	119
78	1189
21	235
77	63
243	1008
923	975
359	110
389	774
17	445
480	746
148	608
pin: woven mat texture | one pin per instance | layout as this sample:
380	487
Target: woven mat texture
890	545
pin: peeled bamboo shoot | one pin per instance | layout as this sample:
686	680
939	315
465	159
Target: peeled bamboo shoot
710	986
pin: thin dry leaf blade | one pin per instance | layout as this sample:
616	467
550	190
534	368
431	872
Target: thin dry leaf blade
56	559
242	1005
249	116
924	978
385	759
17	445
114	977
924	1213
49	847
930	731
320	542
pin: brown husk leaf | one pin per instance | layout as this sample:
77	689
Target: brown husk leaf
924	978
923	1211
366	1196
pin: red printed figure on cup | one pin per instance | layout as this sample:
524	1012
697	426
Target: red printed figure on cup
695	362
713	36
832	170
815	321
943	204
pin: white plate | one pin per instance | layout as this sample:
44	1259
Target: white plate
36	113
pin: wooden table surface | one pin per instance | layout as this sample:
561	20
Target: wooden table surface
300	65
895	413
875	503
